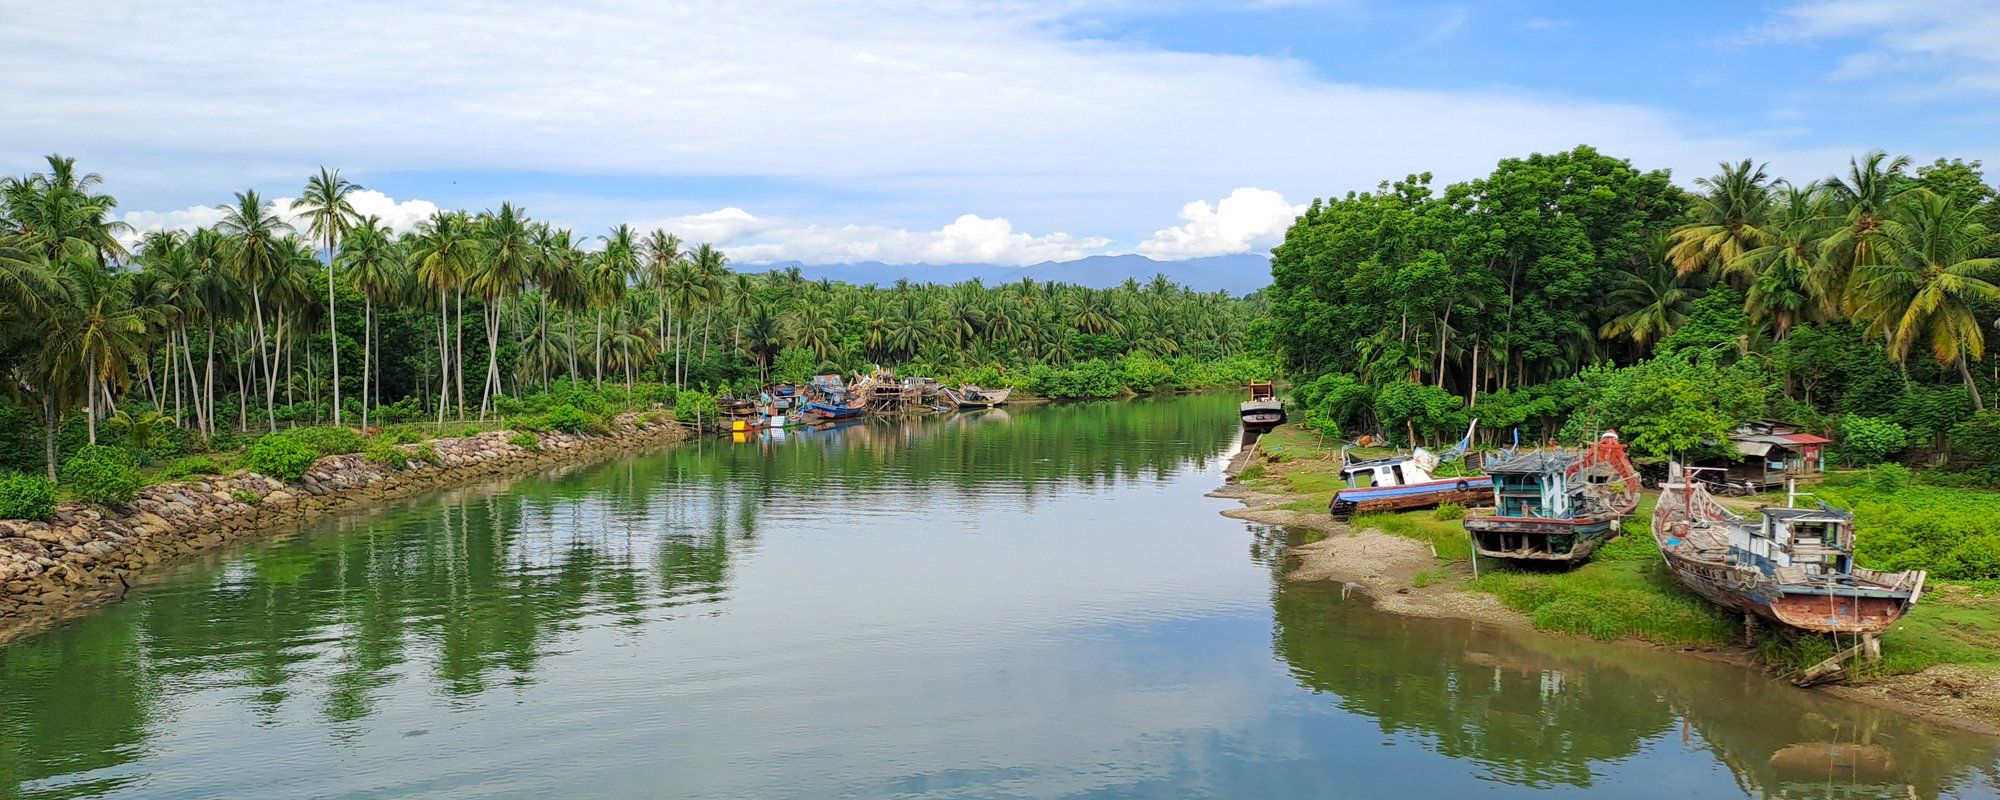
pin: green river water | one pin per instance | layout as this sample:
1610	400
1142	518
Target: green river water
1030	603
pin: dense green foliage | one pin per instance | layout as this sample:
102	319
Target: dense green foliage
24	496
255	324
1567	293
276	455
100	474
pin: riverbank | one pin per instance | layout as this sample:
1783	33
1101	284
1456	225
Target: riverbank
1944	662
87	556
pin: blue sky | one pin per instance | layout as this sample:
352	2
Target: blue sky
947	131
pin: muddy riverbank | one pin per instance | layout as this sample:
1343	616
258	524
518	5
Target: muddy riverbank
87	556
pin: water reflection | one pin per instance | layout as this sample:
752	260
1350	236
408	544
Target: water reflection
1542	712
1033	602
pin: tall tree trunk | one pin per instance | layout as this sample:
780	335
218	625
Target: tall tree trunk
333	327
367	355
458	353
90	410
597	352
263	358
1965	372
444	355
49	419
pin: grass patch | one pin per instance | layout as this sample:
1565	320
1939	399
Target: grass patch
1950	625
1625	591
1429	577
1446	536
1309	505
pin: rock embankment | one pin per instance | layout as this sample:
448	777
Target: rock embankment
87	556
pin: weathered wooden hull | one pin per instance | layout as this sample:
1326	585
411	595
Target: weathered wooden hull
1470	491
1804	607
829	411
1539	539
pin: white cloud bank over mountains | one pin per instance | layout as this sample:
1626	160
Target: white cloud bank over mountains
1248	220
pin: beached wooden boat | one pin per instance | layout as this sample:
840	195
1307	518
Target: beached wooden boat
1792	566
1402	483
1556	506
969	396
1263	411
736	407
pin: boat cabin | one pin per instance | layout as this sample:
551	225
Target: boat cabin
1396	471
1261	390
1801	542
1533	485
1770	454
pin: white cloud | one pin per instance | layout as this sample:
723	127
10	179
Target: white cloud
970	239
949	104
397	216
1248	219
1955	38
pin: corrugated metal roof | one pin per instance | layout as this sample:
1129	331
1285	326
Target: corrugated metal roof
1534	462
1805	438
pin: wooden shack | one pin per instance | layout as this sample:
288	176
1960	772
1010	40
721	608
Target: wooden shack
1769	454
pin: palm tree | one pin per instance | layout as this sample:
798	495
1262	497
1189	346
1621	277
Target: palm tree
329	217
1787	282
506	264
1928	270
1648	302
374	268
663	251
1729	218
442	253
94	331
57	212
256	254
1864	198
607	278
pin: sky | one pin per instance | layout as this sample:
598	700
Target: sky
946	131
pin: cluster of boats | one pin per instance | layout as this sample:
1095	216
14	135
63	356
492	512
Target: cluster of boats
828	398
1791	566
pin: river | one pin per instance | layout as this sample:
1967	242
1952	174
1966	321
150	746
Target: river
1026	603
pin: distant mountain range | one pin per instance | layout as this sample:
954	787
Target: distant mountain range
1236	274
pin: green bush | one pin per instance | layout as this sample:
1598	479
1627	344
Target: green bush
1868	440
526	441
566	418
1887	478
1449	511
427	454
280	456
326	440
1085	379
24	496
99	474
1977	440
696	406
190	465
247	497
385	452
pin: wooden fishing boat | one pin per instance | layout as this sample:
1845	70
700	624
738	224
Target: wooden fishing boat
970	396
1263	411
736	408
783	397
1402	483
1792	566
828	397
1556	506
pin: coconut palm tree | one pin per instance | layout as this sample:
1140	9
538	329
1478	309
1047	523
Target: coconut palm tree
442	253
1928	269
1787	283
1863	197
93	331
256	255
373	264
329	216
1729	216
57	212
663	251
1648	302
607	277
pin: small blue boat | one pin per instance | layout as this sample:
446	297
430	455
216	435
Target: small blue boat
1403	483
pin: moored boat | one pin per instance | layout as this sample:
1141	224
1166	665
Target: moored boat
1792	566
828	397
1556	505
970	396
1263	411
1402	483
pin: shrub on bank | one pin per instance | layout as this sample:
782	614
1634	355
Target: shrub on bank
566	418
385	452
95	473
526	441
326	440
190	465
280	456
428	454
1868	440
24	496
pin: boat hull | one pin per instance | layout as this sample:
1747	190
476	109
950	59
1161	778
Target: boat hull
1541	539
1804	607
1472	490
829	411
